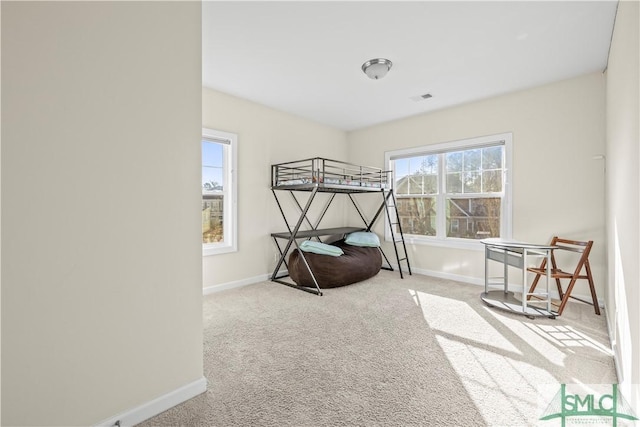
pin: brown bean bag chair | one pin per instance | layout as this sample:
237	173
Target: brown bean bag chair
357	264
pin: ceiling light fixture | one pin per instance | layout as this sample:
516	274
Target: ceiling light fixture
377	68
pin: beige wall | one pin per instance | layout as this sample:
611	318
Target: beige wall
558	188
265	136
101	257
623	212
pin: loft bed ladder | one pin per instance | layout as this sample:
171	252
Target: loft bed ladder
398	242
293	234
390	206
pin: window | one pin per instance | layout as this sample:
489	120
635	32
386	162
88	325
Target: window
454	193
219	216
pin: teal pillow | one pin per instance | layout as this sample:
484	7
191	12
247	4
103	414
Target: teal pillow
320	248
363	238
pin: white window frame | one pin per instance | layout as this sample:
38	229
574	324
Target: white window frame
230	192
506	225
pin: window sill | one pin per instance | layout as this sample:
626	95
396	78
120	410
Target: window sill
208	250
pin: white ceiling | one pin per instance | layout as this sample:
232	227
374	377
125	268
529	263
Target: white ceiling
304	57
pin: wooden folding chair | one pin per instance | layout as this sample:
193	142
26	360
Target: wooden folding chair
581	248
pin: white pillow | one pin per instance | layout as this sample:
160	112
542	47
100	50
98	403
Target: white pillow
320	248
363	238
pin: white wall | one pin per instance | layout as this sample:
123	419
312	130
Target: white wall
101	267
265	136
623	212
558	188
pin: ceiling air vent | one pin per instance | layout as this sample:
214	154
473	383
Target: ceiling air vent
421	97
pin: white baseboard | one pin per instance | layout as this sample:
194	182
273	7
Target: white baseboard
614	347
441	275
447	276
235	284
480	282
239	283
158	405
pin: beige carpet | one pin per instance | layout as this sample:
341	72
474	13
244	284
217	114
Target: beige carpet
386	352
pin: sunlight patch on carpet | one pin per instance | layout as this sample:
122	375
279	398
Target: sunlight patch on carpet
538	342
568	336
496	367
503	388
457	319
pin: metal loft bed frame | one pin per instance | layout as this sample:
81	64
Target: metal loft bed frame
321	175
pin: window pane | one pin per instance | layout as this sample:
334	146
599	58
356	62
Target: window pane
212	179
430	184
212	154
492	158
401	169
402	186
453	162
418	184
475	218
416	175
212	219
417	215
472	160
414	184
428	165
492	181
454	183
472	182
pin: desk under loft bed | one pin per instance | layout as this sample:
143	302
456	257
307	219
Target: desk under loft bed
321	175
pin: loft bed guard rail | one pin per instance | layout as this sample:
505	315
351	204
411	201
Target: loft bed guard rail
327	174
